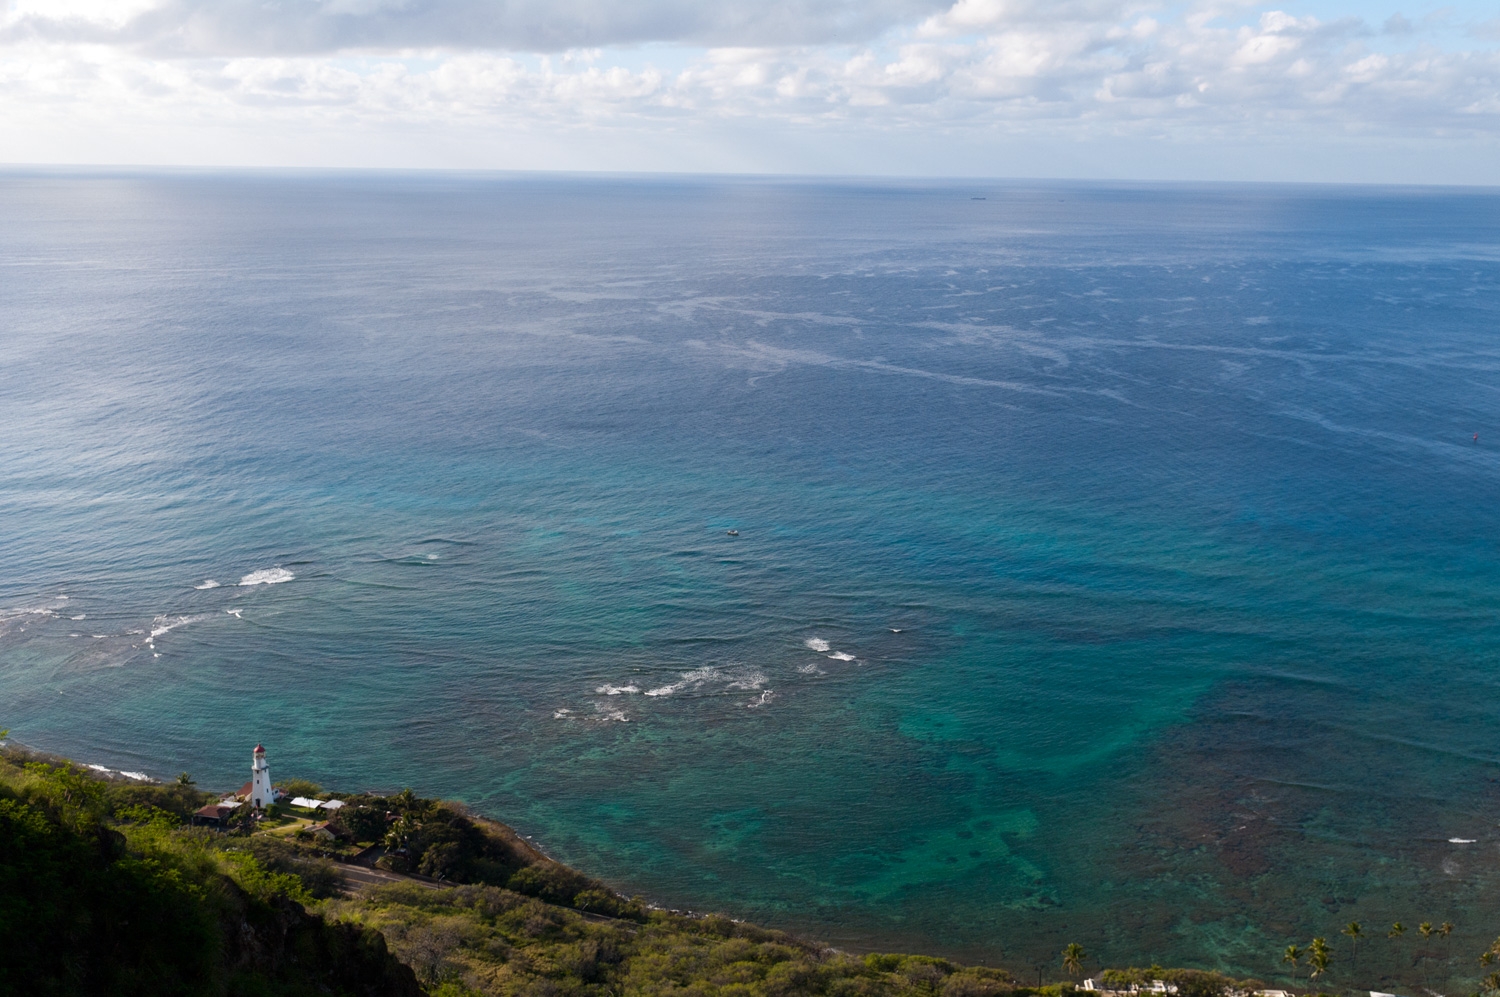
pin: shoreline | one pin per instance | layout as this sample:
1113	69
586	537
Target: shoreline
532	871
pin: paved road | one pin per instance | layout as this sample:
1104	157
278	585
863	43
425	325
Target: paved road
360	878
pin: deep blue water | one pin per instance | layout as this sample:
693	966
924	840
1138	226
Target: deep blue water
1171	492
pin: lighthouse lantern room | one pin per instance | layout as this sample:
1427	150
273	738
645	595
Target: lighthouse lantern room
261	794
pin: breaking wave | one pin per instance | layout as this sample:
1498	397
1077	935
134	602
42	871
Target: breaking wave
267	576
743	678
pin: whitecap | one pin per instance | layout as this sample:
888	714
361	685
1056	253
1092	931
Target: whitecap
234	612
560	714
432	557
765	697
80	616
164	625
616	690
1462	841
751	679
816	643
208	583
137	776
267	576
810	670
840	656
688	680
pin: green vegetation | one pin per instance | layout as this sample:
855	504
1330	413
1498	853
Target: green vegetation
485	940
102	891
1292	955
1189	982
105	888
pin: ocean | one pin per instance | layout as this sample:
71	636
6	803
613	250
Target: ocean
968	567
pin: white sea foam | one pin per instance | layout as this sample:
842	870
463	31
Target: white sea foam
267	576
234	612
765	697
840	656
137	776
616	690
80	616
751	679
164	625
19	617
1462	841
560	714
208	583
742	678
432	557
811	670
688	680
816	643
97	768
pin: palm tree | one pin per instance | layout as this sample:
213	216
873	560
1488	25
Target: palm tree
1355	933
1490	953
183	779
1445	929
1291	955
1317	958
1072	958
1397	930
1425	930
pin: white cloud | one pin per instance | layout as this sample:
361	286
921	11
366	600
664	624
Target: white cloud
803	71
301	27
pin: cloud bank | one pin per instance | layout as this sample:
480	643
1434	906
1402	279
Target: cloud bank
304	27
799	83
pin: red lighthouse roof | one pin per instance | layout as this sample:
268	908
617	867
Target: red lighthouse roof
259	750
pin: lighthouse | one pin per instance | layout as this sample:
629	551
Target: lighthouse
261	795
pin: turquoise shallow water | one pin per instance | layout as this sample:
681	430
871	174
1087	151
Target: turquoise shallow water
1115	564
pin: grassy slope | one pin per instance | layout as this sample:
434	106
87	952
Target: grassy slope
103	891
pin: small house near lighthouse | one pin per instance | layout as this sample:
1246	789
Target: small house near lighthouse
261	793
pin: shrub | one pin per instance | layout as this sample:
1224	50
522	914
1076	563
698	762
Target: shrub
553	883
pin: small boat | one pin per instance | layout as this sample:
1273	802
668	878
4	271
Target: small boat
733	533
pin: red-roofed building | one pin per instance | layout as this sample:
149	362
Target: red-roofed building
215	814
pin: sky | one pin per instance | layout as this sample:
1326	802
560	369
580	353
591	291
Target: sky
1303	90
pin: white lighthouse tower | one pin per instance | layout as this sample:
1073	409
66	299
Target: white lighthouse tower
261	794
